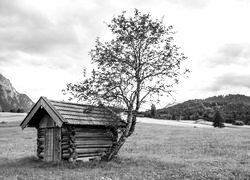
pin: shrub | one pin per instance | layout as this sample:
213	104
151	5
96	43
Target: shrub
20	110
238	123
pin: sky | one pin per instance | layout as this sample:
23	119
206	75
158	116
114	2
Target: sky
45	44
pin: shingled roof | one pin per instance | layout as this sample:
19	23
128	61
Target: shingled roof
71	113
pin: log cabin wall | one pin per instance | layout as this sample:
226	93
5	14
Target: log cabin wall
68	143
70	131
48	139
40	142
85	141
92	141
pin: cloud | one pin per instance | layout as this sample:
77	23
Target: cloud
229	80
21	60
47	42
190	4
193	4
231	54
31	31
30	37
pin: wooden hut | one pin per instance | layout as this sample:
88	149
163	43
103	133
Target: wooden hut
69	131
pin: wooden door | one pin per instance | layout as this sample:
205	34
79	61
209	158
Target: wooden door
52	151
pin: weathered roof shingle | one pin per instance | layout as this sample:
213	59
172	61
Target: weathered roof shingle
77	114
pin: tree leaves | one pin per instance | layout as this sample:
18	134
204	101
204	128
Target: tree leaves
139	62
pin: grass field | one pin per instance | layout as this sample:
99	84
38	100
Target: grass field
7	117
153	152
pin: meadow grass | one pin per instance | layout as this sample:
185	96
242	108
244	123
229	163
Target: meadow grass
153	152
7	116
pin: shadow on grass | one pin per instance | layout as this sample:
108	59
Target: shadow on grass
116	163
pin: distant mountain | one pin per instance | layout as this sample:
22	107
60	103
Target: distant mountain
11	100
232	107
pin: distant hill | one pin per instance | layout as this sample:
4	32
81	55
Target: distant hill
11	100
232	107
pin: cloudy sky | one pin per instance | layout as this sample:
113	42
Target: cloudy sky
44	44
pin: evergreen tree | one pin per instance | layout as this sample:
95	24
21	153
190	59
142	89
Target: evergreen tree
218	120
153	111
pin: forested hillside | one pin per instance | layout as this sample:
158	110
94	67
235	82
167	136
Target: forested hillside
232	107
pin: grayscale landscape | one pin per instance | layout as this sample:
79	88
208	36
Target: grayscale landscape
124	90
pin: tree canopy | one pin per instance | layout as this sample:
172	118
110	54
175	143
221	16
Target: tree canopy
139	63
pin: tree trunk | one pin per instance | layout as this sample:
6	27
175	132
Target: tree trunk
131	119
116	147
132	127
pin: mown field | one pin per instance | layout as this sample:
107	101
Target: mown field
153	152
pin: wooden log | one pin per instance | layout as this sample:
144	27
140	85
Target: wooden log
41	155
66	146
89	155
86	142
65	137
69	136
41	139
98	135
65	143
68	150
93	131
66	155
90	130
39	143
65	151
40	135
93	134
72	137
93	146
71	150
109	142
41	130
94	139
41	146
90	150
68	133
39	152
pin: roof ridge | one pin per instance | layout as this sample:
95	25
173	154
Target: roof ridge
67	102
54	109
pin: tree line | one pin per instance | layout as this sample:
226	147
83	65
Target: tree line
231	107
15	110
